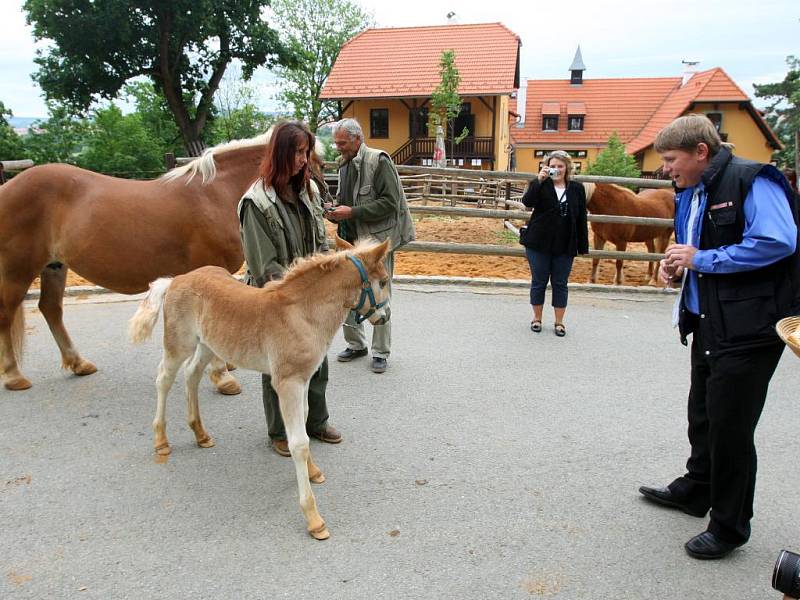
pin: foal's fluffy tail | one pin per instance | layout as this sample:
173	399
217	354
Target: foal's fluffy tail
141	325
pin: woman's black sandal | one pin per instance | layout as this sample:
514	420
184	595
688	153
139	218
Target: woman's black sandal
560	330
536	326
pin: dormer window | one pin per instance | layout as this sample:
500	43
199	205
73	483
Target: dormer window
550	112
549	122
575	115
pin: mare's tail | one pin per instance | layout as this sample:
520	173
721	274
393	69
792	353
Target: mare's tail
141	325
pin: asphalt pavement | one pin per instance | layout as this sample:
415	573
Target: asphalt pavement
487	462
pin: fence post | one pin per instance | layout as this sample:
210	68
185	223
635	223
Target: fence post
2	174
169	161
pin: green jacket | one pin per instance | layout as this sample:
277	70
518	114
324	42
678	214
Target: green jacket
370	184
269	240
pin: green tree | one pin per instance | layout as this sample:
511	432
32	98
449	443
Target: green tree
152	108
236	115
57	139
11	147
183	46
783	115
445	101
613	160
315	31
120	145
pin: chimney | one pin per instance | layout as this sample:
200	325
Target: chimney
688	70
577	68
522	97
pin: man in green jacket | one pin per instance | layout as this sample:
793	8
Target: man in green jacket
371	203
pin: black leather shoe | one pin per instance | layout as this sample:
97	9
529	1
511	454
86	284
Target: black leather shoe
707	546
665	497
349	354
378	364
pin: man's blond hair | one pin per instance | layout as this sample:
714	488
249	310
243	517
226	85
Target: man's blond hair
686	132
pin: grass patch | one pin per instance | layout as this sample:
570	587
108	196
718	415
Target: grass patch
506	237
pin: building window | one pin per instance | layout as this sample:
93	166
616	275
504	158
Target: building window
576	122
549	122
418	123
716	119
379	123
576	167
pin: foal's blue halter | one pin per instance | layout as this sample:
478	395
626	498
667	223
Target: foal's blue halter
366	292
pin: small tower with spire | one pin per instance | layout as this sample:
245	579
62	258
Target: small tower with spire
577	68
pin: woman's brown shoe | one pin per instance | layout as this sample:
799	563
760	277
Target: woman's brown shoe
328	435
281	447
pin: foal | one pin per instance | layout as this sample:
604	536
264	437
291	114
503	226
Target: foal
283	329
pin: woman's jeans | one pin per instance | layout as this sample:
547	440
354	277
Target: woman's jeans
556	269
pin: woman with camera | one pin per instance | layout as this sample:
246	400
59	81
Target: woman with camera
556	233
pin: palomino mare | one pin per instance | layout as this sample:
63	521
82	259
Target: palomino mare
283	329
117	233
609	199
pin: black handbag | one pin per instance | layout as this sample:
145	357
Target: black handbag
523	233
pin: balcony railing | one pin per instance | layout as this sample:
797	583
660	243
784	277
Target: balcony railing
422	147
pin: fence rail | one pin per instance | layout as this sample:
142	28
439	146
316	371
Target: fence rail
11	166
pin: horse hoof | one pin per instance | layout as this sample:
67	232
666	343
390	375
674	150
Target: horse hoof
84	368
18	383
229	387
321	533
207	442
317	478
163	450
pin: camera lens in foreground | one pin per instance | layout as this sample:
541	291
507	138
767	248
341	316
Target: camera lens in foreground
786	576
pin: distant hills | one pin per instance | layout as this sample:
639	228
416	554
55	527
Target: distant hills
23	122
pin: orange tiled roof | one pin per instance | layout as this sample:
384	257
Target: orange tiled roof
404	61
636	108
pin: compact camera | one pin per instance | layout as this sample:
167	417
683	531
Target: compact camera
786	576
552	171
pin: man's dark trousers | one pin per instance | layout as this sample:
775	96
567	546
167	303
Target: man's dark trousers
727	395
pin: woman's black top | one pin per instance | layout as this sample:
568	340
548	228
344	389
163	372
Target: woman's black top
549	229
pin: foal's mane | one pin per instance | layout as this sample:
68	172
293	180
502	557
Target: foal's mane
324	262
205	164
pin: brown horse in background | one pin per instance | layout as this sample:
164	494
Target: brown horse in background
609	199
117	233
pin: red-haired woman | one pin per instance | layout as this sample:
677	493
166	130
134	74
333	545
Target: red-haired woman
281	220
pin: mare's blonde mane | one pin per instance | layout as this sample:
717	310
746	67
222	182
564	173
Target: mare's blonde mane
205	164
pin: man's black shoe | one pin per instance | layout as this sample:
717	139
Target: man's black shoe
378	364
349	354
707	546
665	497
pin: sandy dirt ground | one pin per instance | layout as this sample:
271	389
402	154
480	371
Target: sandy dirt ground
479	231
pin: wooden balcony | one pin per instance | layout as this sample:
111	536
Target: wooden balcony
416	149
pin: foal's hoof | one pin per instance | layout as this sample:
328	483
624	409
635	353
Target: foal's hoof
18	383
84	368
206	442
163	450
226	384
320	533
318	477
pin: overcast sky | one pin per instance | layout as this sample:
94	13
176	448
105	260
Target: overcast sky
628	38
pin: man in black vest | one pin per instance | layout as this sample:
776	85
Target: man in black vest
737	264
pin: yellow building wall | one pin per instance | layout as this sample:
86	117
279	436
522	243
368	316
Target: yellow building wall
398	123
528	162
742	132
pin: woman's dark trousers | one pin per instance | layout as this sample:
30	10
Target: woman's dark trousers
549	267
